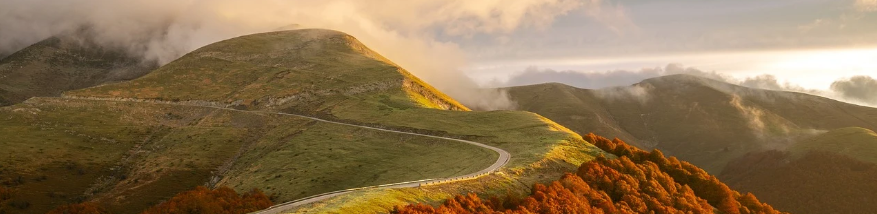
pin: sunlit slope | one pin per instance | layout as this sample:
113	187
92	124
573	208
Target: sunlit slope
700	120
63	63
314	72
331	75
130	155
310	70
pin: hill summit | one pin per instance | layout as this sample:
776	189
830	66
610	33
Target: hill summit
307	70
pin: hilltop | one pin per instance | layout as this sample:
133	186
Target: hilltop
217	117
309	70
61	63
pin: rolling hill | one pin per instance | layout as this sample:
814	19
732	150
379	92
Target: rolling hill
854	142
309	71
704	121
61	63
770	143
217	117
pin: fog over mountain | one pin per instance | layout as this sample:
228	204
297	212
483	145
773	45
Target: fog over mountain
162	31
855	89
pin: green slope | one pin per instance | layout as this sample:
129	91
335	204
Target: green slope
700	120
854	142
141	151
132	155
308	69
63	63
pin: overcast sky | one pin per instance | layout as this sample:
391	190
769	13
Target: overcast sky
808	42
460	45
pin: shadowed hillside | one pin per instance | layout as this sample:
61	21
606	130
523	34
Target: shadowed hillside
700	120
63	63
816	182
829	173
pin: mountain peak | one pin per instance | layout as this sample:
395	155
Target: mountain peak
686	79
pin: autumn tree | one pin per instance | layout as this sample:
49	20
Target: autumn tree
219	201
80	208
635	182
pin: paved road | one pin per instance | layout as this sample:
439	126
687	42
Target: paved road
500	161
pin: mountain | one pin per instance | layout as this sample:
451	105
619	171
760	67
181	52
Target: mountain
293	113
635	182
311	71
700	120
828	173
61	63
789	149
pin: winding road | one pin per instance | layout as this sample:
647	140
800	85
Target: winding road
501	161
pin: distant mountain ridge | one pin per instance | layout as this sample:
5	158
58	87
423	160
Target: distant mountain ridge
61	63
704	121
798	152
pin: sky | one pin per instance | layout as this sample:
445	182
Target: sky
808	42
823	47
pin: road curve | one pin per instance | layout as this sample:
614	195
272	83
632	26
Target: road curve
501	161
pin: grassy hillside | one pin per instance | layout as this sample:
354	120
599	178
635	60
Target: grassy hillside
854	142
60	64
331	75
308	69
704	121
134	153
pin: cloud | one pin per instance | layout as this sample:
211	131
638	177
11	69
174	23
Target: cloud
857	88
404	31
770	82
866	5
861	90
595	80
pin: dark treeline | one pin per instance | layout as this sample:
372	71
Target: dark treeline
636	182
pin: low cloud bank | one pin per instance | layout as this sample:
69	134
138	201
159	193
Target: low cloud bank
595	80
160	31
861	90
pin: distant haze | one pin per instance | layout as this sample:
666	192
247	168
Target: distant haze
459	45
163	30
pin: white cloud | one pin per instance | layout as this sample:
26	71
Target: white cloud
403	31
866	5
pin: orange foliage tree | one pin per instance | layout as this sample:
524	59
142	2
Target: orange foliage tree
704	185
81	208
219	201
636	182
